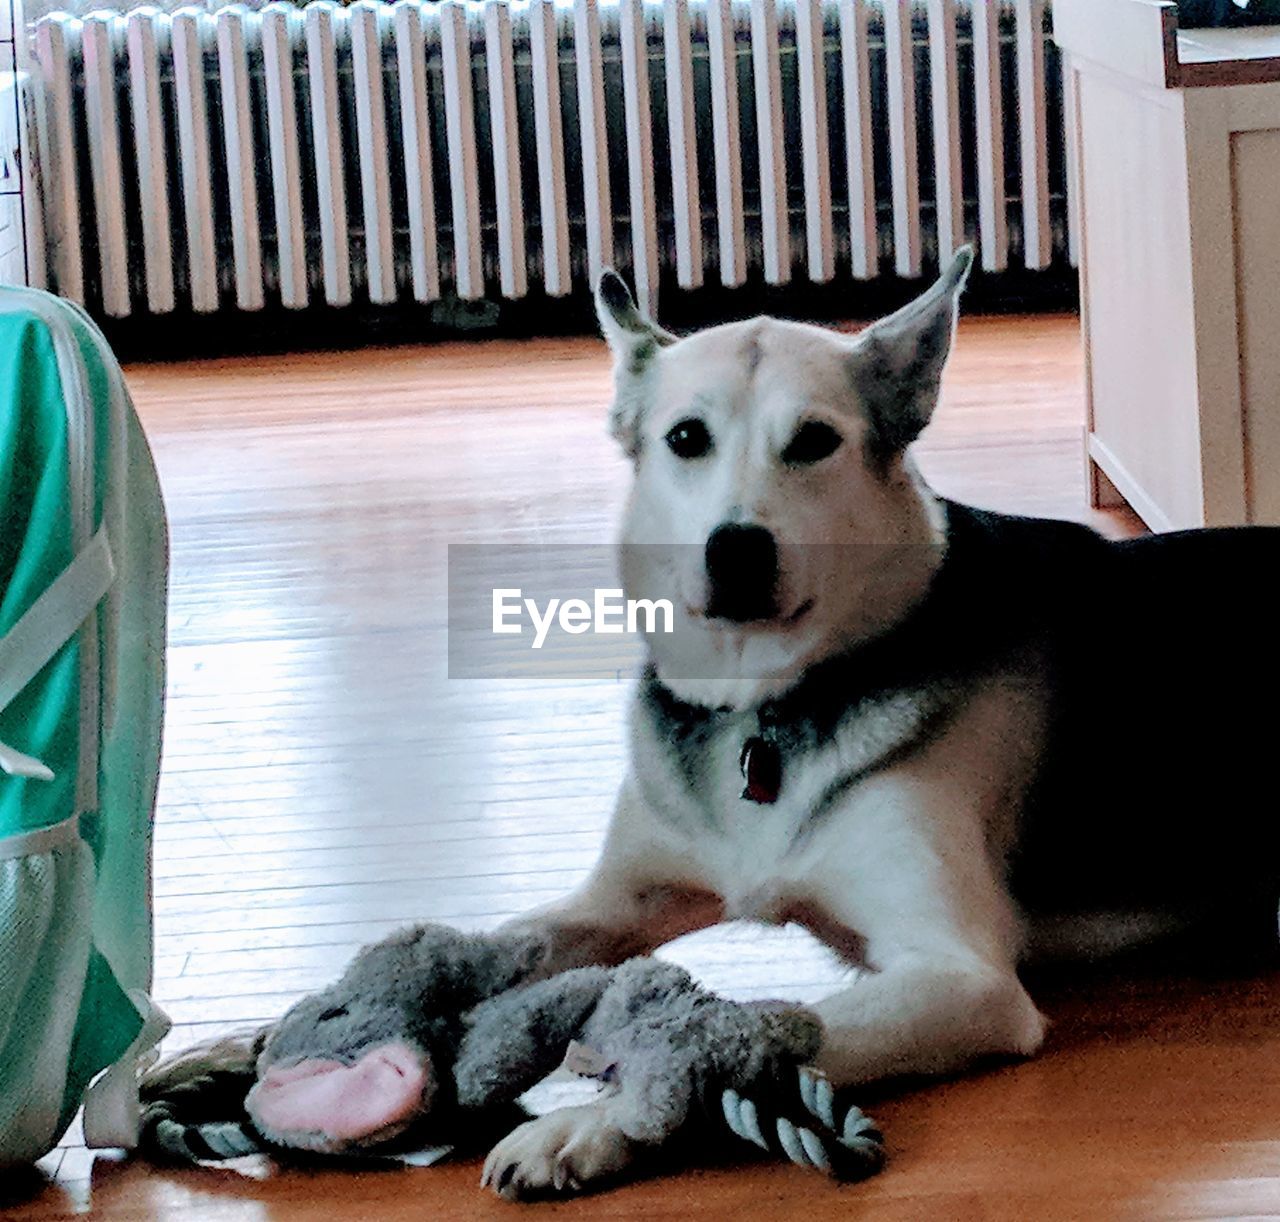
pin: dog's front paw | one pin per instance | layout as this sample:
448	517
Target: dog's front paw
562	1152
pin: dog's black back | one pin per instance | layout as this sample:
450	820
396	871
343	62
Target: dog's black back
1158	785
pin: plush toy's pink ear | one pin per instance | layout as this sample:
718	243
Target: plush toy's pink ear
383	1090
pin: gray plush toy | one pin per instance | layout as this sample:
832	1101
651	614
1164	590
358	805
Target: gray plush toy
431	1036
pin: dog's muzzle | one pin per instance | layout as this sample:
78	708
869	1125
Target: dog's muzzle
742	574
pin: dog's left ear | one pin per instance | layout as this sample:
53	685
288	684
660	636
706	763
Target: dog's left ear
896	364
635	340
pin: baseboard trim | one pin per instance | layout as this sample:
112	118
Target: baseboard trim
1127	486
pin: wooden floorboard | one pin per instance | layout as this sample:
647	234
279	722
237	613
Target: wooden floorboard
324	782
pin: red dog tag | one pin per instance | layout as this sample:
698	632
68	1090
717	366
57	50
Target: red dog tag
761	766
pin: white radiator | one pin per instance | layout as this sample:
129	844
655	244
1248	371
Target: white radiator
400	152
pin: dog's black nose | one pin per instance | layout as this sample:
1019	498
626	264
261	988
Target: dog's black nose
742	573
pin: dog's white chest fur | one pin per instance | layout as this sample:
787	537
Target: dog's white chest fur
759	857
757	861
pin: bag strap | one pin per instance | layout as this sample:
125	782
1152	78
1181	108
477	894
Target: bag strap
112	1107
46	626
40	840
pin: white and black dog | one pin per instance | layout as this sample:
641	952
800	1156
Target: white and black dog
940	738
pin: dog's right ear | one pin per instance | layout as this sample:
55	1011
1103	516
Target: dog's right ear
635	340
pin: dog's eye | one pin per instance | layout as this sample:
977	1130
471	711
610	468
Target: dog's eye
329	1015
813	441
689	439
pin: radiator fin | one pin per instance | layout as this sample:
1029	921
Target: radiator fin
282	34
57	48
103	128
326	37
775	209
855	67
726	127
944	94
411	42
993	219
553	200
370	23
900	71
1037	240
639	123
682	135
504	137
815	151
594	133
190	40
147	39
464	182
236	31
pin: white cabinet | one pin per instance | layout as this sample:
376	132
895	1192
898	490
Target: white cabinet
1177	138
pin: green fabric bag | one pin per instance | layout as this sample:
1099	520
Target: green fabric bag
83	558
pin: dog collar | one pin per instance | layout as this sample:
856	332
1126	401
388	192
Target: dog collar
761	764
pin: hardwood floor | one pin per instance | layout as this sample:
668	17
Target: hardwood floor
325	782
